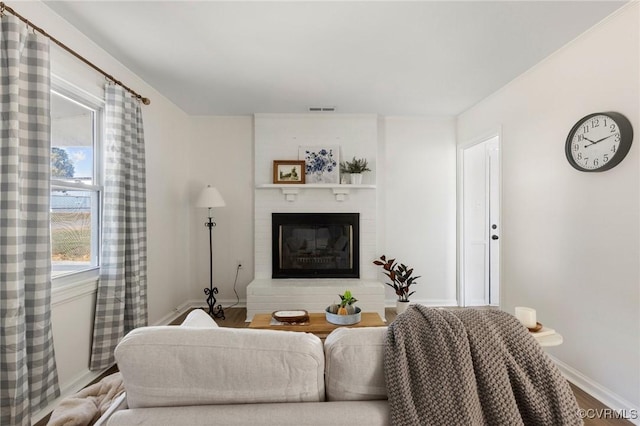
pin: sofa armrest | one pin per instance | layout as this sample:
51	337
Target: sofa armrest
199	319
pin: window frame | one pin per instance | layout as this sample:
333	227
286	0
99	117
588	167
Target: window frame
74	94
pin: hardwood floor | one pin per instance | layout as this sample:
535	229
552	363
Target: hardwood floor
235	318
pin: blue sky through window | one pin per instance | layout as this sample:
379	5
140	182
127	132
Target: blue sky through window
82	159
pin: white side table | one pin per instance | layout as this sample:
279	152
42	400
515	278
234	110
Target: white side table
554	339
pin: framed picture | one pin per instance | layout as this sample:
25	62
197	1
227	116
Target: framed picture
322	163
288	171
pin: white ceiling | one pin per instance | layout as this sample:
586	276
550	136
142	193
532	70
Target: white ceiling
387	57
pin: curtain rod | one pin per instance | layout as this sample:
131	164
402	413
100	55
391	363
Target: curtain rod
4	8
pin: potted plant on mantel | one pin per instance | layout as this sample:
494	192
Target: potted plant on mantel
355	168
401	280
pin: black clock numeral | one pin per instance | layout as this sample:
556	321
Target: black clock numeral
605	158
617	137
613	149
579	156
595	123
586	161
596	162
585	129
612	128
580	138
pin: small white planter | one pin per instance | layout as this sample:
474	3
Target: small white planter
356	178
401	306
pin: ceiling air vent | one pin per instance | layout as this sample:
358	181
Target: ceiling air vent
322	109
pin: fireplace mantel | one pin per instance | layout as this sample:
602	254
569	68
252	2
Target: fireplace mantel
291	191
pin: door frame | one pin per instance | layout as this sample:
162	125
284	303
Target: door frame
460	284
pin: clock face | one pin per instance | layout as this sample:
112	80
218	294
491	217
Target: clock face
598	142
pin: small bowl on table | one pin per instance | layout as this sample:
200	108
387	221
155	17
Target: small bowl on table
291	317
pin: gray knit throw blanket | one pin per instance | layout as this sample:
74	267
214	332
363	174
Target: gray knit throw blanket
471	367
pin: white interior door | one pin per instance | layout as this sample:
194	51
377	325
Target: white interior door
480	224
493	153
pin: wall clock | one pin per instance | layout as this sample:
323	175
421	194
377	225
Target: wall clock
599	141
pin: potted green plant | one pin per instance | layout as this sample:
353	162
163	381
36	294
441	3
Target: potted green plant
355	168
401	280
345	312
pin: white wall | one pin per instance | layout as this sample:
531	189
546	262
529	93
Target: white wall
417	179
570	240
165	132
221	155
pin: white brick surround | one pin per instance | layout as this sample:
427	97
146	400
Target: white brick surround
313	295
277	137
271	200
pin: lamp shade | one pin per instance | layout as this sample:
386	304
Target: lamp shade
210	197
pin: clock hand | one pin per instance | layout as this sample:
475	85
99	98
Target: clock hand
592	142
598	141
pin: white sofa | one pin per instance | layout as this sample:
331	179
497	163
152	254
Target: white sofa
199	374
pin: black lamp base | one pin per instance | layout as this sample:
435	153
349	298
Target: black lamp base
214	311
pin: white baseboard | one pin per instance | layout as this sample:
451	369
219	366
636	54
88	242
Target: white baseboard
170	316
391	303
201	303
596	390
197	303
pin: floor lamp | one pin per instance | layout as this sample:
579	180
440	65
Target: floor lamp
210	198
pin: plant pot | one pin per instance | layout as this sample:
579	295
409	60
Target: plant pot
401	306
343	319
356	178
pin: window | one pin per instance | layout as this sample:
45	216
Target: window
75	183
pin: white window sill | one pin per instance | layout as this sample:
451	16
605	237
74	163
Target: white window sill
74	286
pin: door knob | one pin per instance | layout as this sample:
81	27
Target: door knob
494	237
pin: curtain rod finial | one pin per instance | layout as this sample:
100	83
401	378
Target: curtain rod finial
145	101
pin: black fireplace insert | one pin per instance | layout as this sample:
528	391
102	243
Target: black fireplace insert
315	245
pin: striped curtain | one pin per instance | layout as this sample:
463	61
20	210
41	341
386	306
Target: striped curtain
28	377
121	303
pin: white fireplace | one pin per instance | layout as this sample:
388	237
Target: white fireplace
278	137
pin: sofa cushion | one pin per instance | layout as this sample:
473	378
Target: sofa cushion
174	366
358	413
354	367
199	319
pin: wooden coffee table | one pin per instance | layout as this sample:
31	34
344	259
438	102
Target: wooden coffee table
317	323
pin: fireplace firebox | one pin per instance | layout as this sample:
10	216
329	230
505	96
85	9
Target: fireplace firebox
315	245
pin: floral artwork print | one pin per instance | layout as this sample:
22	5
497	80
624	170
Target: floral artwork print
321	163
